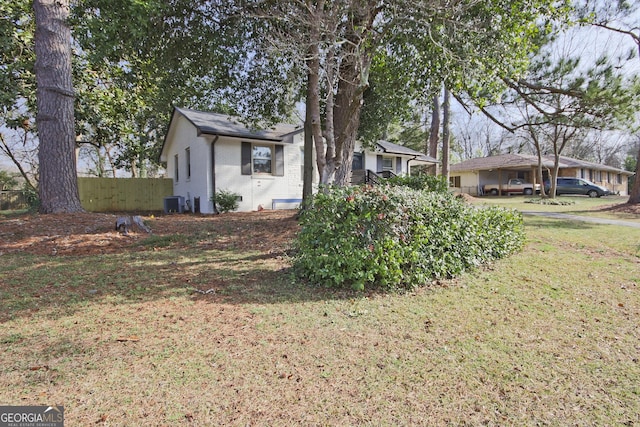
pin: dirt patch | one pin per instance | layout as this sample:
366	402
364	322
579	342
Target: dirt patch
468	198
625	208
95	233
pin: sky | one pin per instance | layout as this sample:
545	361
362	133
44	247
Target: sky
590	44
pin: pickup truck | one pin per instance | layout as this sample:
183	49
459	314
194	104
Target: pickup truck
514	186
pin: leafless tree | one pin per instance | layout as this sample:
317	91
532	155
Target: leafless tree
21	148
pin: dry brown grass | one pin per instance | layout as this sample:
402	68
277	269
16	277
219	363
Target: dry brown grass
110	327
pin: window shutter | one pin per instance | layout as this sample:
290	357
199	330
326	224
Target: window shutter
379	163
246	158
279	170
398	165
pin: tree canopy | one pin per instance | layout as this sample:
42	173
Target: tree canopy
360	65
138	59
386	53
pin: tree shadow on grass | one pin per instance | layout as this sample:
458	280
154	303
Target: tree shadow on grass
622	212
559	224
57	286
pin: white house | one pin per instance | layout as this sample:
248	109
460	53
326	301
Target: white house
208	152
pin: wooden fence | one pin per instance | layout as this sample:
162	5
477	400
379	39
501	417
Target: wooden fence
124	194
11	200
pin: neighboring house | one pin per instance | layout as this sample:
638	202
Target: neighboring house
208	152
385	159
471	175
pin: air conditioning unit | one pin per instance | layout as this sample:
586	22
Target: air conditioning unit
174	204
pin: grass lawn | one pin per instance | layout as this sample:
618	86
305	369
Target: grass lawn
575	205
112	327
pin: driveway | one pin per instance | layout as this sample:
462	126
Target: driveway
583	218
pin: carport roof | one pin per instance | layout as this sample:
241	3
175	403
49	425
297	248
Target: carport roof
525	161
505	161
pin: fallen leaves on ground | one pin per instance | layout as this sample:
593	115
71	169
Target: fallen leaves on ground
95	233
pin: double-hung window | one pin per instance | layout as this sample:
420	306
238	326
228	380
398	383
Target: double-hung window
387	164
261	156
262	159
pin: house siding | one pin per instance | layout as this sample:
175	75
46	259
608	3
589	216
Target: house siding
195	185
468	183
612	181
256	190
373	161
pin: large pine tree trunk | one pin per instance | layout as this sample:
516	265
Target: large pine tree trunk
58	184
634	197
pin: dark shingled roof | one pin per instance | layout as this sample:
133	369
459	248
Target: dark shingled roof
391	148
223	125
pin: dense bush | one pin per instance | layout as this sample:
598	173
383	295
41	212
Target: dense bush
420	182
397	237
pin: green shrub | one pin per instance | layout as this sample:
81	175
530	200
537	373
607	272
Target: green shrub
421	182
226	201
33	199
397	237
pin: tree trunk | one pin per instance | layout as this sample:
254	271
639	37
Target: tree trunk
536	144
446	110
554	173
353	80
313	116
634	197
8	151
307	170
348	106
539	174
55	121
434	130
